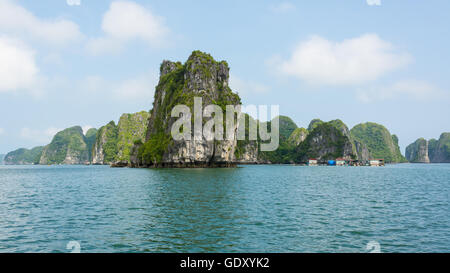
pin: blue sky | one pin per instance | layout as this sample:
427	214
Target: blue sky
71	62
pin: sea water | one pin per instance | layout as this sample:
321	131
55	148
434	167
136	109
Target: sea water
263	208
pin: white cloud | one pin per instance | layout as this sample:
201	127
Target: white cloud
104	45
39	136
125	21
52	58
246	87
94	84
137	88
18	69
362	59
128	20
2	131
282	7
19	21
73	2
373	2
406	89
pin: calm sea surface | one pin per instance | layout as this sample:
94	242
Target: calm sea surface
405	208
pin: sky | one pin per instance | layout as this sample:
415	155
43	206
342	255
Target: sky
82	62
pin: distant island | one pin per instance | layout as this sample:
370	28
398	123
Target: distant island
109	144
430	151
143	139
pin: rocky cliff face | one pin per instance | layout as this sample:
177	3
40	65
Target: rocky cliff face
250	154
441	151
284	152
328	140
379	142
417	152
247	151
432	148
432	151
359	150
24	156
67	147
91	136
201	76
114	143
130	129
324	142
105	146
313	124
327	143
340	125
362	151
298	136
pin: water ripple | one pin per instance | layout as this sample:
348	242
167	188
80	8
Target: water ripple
251	209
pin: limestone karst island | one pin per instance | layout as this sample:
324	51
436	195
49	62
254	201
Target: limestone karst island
143	139
196	128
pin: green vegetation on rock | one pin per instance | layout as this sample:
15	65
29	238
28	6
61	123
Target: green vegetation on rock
284	153
287	127
154	149
379	141
105	148
340	125
243	145
67	147
432	151
324	142
298	136
439	150
114	142
200	76
131	128
91	136
144	139
313	124
432	148
417	152
24	156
